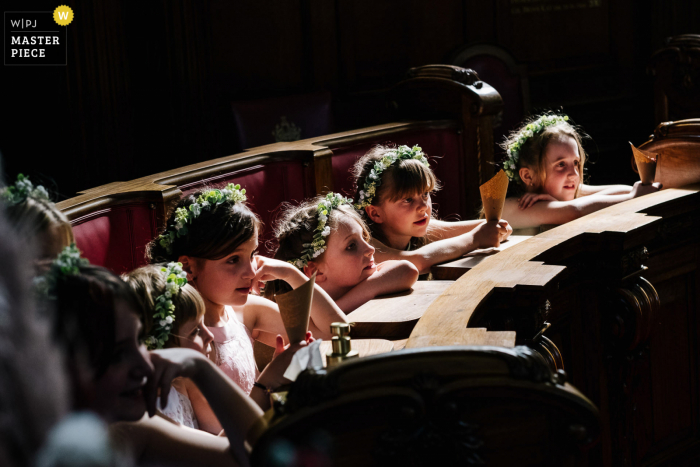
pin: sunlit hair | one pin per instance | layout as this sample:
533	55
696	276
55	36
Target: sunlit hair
532	152
295	227
148	282
215	233
402	179
38	220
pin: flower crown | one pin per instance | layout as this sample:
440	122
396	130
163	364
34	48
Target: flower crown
374	178
318	245
67	263
175	279
510	165
23	189
204	202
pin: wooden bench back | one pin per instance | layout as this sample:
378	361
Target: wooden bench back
677	145
114	222
438	406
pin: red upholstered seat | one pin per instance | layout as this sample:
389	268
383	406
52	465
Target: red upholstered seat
267	186
256	120
443	148
116	237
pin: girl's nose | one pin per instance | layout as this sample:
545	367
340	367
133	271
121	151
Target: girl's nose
208	337
369	251
250	271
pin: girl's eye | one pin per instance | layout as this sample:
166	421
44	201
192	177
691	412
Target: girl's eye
195	332
408	200
351	246
233	260
255	252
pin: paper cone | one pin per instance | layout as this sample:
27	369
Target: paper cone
295	307
493	196
646	164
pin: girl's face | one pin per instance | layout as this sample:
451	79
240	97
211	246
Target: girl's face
562	165
229	280
195	335
348	259
118	392
407	216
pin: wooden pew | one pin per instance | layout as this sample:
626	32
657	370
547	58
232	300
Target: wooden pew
437	406
450	111
620	289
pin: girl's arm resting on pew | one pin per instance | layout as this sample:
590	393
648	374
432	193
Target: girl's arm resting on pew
561	212
586	190
440	230
485	235
390	277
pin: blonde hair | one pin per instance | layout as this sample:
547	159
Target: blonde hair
296	226
532	152
400	180
34	217
149	282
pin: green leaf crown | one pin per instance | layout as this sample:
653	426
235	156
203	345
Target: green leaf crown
164	316
374	178
67	263
21	190
204	202
318	245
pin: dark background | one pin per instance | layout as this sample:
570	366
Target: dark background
149	85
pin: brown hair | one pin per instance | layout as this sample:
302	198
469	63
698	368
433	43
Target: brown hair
296	226
148	282
400	180
532	152
215	233
35	217
85	314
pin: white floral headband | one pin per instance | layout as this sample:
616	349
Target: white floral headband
374	178
21	190
510	165
67	263
205	201
318	245
175	280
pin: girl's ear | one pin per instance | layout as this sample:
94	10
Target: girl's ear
375	213
527	176
318	268
189	265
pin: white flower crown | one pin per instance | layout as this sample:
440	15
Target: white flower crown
205	201
374	178
510	165
23	189
318	245
67	263
175	280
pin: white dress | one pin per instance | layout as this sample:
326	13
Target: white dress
179	409
233	343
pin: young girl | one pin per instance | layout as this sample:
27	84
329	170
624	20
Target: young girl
215	236
545	159
36	219
326	236
393	187
114	376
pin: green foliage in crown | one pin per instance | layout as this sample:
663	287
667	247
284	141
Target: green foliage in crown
21	190
204	202
164	316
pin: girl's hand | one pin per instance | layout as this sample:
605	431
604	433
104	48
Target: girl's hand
169	364
280	347
528	199
492	233
640	190
273	374
269	269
